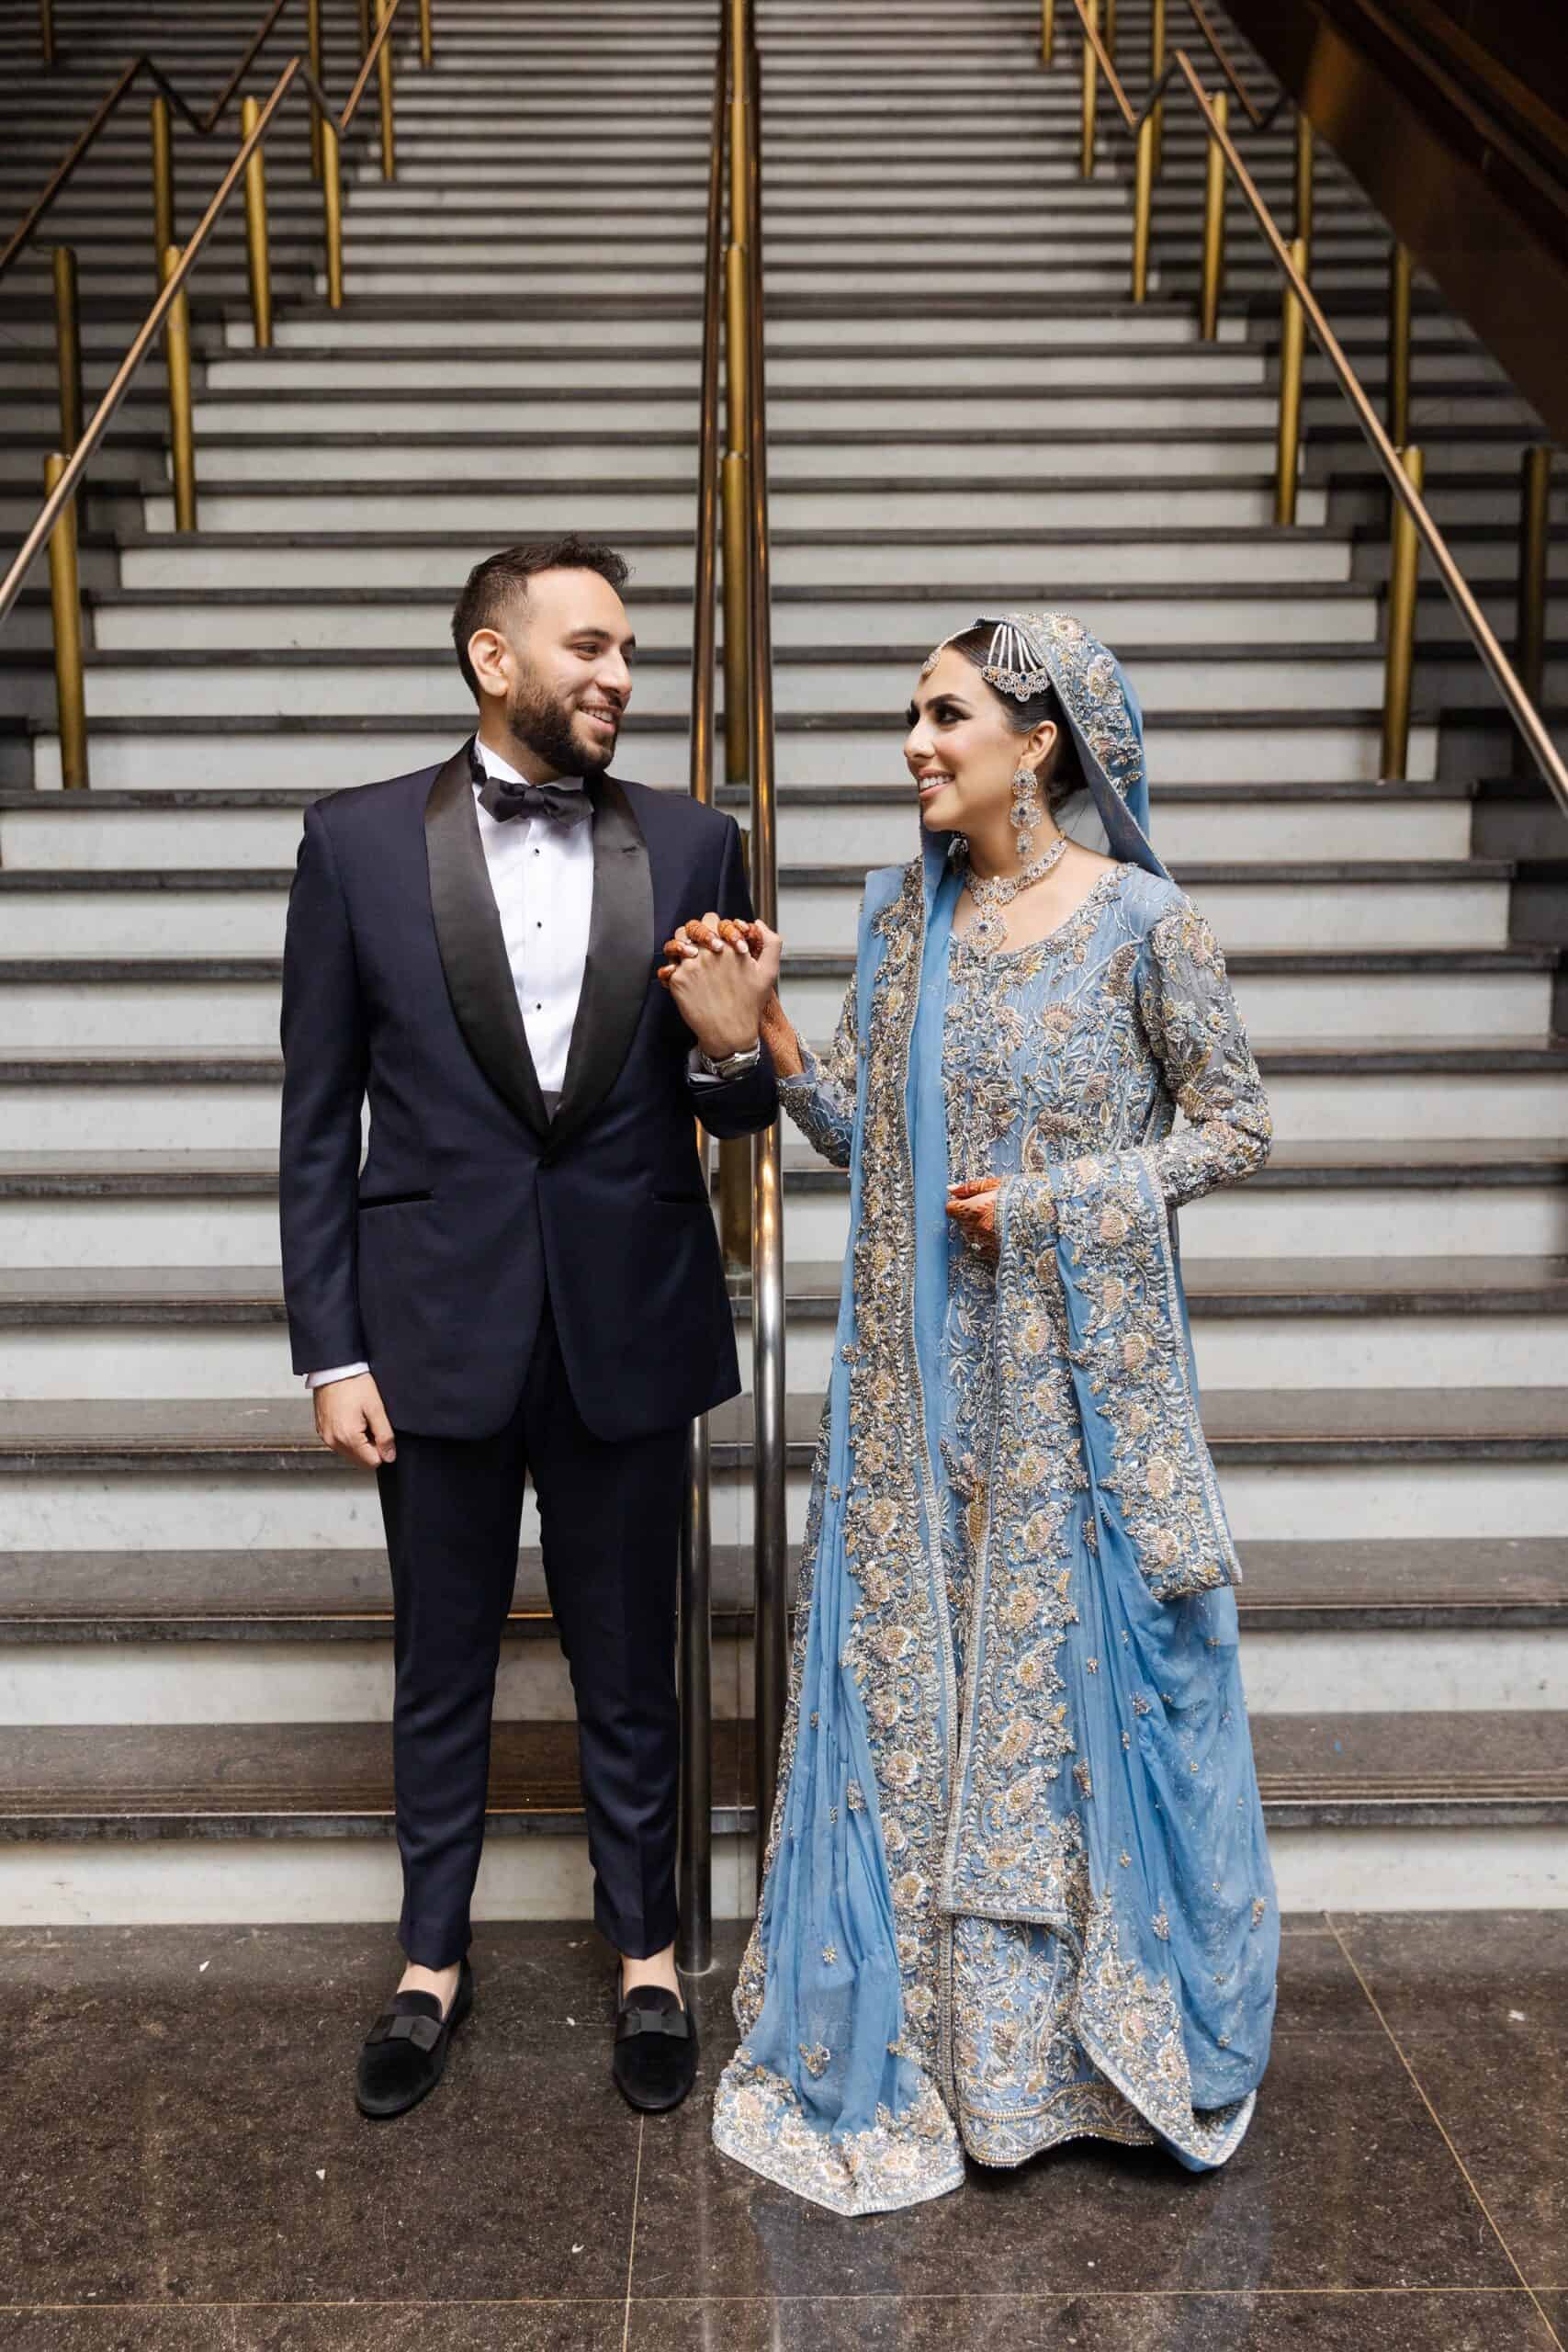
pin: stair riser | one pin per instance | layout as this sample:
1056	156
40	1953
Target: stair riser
217	421
966	562
1318	1351
1296	752
173	1018
1297	620
1355	508
1330	1352
1261	1221
351	1681
515	374
306	1882
48	1510
418	687
896	331
590	506
80	1116
1245	914
850	834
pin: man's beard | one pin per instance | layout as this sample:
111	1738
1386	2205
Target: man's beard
545	726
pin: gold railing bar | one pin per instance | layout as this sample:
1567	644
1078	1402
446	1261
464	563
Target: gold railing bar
219	106
365	28
46	30
1258	119
182	433
1399	275
384	76
65	602
1399	659
1157	77
1143	207
1108	28
151	327
1048	32
1303	188
68	346
737	618
160	125
426	36
331	205
1293	344
313	53
257	258
1522	710
1535	540
1093	53
1214	228
736	411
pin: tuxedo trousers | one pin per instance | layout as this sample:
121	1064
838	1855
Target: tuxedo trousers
610	1525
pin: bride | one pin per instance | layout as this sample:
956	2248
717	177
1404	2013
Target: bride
1016	1886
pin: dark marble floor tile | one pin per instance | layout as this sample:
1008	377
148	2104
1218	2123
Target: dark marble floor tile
1319	1990
1502	2097
1554	2304
1451	1972
189	2134
539	2326
1463	2321
1342	2181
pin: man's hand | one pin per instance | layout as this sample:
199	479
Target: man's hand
721	975
352	1419
973	1209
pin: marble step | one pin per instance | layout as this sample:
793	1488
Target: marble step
205	1002
1341	1325
172	829
1334	746
1304	904
1413	1200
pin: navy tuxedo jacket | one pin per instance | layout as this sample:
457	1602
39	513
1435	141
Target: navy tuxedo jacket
432	1264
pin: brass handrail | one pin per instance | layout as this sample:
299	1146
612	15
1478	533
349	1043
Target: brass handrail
1397	466
694	1844
297	69
202	124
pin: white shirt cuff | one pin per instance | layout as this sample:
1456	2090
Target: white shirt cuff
341	1372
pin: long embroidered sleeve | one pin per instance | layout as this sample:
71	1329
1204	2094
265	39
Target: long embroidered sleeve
821	1098
1198	1037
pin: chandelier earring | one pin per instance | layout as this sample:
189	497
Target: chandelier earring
1026	811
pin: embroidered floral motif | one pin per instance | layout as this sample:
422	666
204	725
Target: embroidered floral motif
816	2056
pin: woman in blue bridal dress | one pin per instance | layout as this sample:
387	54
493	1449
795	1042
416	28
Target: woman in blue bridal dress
1016	1884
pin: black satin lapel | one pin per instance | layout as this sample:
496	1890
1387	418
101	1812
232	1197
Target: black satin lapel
620	959
473	953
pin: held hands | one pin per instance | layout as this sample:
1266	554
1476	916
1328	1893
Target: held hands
973	1209
352	1419
721	975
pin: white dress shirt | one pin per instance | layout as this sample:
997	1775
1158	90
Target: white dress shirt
541	874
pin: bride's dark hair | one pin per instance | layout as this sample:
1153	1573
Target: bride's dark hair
1061	776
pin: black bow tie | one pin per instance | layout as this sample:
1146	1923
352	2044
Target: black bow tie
563	804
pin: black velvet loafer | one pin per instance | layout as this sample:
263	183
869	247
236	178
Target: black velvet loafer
405	2051
654	2059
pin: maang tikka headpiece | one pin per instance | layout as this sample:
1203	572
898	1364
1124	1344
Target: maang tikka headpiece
1016	662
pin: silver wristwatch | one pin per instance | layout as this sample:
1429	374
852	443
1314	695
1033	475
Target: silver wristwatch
733	1064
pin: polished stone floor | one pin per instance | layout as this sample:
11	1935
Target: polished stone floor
183	2170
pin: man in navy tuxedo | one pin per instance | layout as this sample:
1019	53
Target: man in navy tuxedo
523	1277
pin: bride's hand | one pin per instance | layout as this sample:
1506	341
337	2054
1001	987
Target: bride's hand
973	1209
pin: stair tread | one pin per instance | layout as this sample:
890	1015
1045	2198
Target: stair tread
155	799
1277	1425
339	1594
90	1778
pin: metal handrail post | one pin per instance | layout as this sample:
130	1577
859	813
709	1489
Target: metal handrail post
1534	541
694	1849
1399	658
162	180
68	346
65	605
770	1436
1293	346
331	208
384	79
426	37
1047	32
1143	207
46	30
1304	185
1156	71
182	437
313	51
258	259
1214	228
1398	402
1090	70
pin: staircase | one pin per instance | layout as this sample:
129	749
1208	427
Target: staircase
195	1645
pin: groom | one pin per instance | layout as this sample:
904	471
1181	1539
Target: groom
523	1277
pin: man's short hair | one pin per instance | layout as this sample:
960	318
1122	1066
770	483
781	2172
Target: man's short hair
495	588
